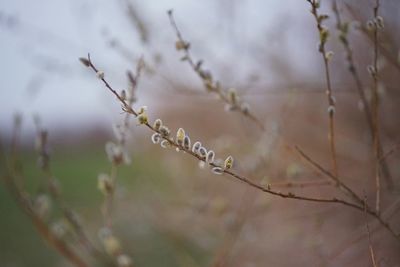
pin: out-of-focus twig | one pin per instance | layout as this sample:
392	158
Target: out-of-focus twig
371	249
390	152
348	191
52	186
343	32
24	201
343	29
137	21
229	97
374	71
323	37
385	52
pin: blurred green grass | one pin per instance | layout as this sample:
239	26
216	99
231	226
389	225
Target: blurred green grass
76	169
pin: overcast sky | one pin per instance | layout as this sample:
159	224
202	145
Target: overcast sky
42	39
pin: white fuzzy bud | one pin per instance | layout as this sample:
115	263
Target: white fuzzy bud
210	157
217	170
164	131
180	135
156	138
202	164
104	184
331	110
329	55
42	205
157	124
370	25
124	261
100	74
371	70
186	142
228	164
196	147
142	110
379	22
165	144
245	108
202	152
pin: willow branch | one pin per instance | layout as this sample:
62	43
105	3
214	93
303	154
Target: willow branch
371	249
244	179
55	193
375	111
206	77
24	202
343	32
324	34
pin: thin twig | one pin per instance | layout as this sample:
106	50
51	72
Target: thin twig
300	184
343	29
246	180
371	249
334	178
221	257
323	33
384	51
375	112
389	152
206	77
349	191
51	185
41	226
109	197
25	203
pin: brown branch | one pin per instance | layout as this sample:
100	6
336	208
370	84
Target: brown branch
389	152
222	255
59	245
384	51
371	249
359	233
375	112
55	193
206	77
349	191
343	30
248	181
301	184
24	202
137	22
334	178
323	33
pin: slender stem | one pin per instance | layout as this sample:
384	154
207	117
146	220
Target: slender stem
250	182
388	55
353	70
109	198
208	83
221	258
25	203
375	113
348	190
331	102
301	184
389	152
371	249
331	176
41	226
343	29
67	212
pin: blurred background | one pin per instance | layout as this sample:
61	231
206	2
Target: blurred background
168	211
